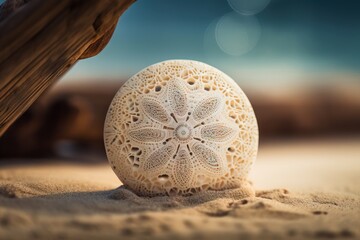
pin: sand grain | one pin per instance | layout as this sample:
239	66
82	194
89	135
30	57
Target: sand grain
74	201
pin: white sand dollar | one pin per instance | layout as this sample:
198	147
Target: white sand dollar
180	127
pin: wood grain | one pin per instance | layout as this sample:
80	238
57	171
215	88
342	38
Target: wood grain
41	40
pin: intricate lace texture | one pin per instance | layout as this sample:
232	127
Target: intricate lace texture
179	127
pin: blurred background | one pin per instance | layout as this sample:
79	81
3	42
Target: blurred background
297	60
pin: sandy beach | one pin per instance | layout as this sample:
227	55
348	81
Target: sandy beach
304	190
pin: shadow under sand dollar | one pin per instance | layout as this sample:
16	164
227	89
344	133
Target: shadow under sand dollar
37	198
237	203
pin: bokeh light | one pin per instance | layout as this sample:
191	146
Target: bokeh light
236	34
248	7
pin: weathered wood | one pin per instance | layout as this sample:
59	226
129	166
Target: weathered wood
42	39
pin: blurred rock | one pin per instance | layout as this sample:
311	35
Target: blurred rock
68	121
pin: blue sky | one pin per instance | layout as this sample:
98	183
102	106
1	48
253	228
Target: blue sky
287	38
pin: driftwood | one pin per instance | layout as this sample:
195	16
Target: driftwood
41	39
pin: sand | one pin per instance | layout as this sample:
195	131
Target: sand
304	190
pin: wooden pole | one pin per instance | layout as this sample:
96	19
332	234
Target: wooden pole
42	39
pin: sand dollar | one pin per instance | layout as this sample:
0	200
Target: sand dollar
180	127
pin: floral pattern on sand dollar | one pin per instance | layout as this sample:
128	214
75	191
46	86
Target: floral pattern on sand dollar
180	127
